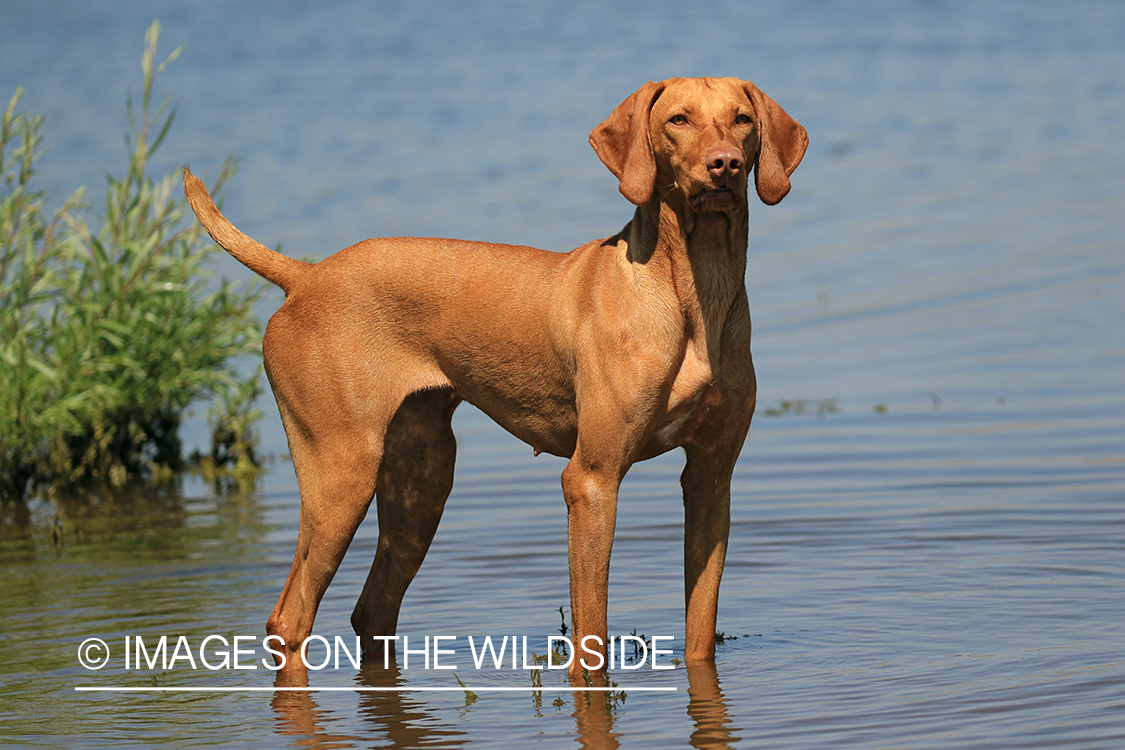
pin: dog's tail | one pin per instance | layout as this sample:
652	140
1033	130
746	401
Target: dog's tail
269	264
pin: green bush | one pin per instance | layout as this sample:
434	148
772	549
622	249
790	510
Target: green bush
108	328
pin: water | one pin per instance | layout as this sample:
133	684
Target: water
935	559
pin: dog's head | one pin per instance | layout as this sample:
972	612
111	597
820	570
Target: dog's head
700	137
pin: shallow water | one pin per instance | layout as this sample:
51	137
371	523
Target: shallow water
928	536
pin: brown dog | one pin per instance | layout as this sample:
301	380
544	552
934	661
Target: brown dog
611	354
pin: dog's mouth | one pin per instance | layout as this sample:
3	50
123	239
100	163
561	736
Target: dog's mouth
720	199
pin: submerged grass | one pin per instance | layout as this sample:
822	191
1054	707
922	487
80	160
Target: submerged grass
109	329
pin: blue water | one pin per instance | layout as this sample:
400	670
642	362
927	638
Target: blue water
928	533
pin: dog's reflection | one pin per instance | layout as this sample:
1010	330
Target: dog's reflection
400	717
403	719
708	709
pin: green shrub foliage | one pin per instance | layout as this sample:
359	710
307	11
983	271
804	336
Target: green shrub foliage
109	327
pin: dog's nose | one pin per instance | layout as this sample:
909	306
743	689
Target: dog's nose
724	161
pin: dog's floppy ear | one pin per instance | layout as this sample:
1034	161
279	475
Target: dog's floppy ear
782	143
622	143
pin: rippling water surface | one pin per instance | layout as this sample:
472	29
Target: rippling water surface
928	535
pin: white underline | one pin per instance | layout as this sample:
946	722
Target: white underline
397	689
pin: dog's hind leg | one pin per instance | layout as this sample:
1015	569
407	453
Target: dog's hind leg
337	481
415	478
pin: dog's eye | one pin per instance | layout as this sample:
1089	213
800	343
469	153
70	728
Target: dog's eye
678	120
742	120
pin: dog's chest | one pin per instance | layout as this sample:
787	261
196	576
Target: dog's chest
693	390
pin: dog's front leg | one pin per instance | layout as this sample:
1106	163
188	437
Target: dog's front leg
706	483
590	490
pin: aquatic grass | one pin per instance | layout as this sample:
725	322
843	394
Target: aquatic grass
470	696
233	463
798	407
109	328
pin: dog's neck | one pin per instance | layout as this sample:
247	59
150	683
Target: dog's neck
703	257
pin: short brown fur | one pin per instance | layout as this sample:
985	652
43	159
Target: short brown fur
615	352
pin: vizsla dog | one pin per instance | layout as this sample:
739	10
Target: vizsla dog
613	353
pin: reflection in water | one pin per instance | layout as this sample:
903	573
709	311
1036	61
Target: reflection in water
708	709
410	723
158	522
595	713
593	719
80	518
15	520
384	713
405	722
302	719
